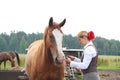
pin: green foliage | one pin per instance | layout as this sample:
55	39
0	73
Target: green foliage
78	77
19	41
3	44
23	45
71	42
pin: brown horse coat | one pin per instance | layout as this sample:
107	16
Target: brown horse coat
4	56
39	64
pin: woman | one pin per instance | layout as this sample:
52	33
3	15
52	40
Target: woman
88	61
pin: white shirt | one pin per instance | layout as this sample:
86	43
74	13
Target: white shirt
89	52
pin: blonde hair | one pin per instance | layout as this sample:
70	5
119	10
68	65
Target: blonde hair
82	34
89	35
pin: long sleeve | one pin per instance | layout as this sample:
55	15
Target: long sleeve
82	65
89	53
77	59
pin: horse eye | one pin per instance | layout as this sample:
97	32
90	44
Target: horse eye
51	38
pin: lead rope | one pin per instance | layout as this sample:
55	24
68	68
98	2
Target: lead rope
70	73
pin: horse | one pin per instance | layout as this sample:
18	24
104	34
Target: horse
45	58
4	56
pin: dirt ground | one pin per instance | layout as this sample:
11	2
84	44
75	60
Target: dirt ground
109	74
104	74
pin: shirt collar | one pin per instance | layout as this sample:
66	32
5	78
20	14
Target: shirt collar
89	43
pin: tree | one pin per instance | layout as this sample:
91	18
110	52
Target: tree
3	44
20	41
13	43
23	45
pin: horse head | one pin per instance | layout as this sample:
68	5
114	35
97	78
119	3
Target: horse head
13	63
53	37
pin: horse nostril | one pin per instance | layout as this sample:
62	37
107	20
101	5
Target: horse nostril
56	61
63	57
59	60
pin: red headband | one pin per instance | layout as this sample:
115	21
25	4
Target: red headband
91	35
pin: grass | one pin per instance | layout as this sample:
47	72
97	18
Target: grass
104	62
8	63
109	62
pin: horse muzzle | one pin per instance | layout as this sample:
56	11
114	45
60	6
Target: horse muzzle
59	60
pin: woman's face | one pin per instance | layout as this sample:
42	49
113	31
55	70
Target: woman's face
83	41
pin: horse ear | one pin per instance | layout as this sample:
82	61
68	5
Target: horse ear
62	23
51	21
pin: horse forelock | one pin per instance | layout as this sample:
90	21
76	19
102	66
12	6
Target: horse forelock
57	26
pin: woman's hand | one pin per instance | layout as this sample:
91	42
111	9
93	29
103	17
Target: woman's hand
71	57
67	60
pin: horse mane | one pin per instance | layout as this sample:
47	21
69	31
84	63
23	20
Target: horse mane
44	41
47	58
45	36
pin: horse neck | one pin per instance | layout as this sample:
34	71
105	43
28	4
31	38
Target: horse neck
44	59
12	54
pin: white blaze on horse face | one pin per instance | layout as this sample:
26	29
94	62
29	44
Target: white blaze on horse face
58	37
